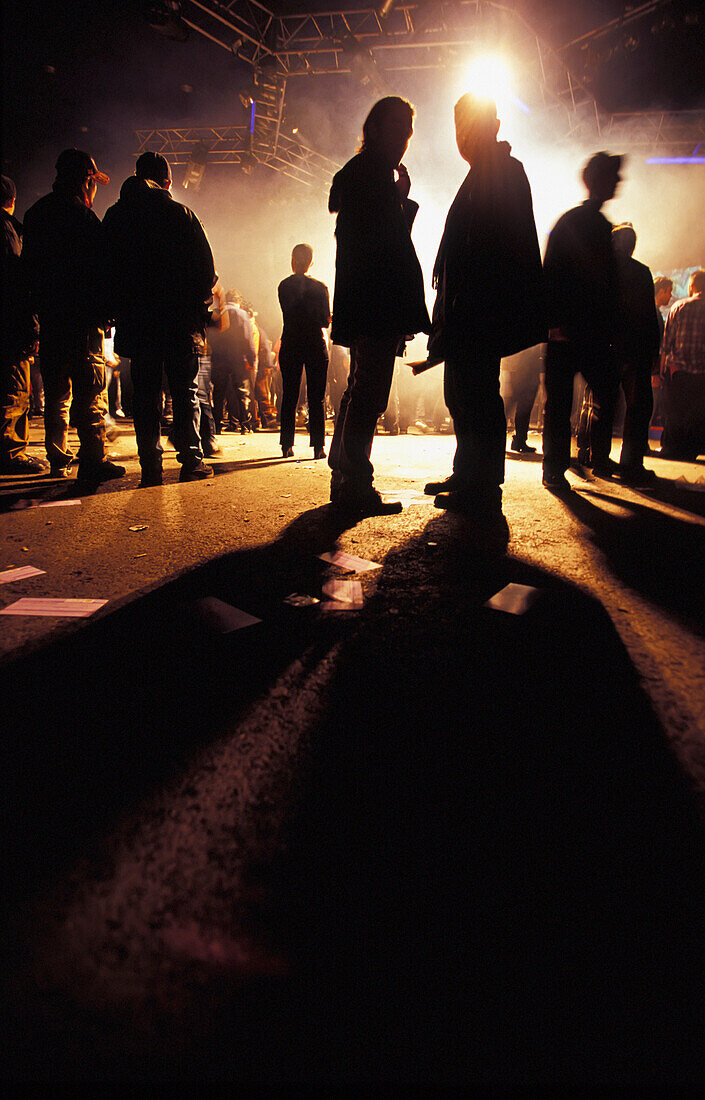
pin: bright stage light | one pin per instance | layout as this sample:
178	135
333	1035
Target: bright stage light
489	76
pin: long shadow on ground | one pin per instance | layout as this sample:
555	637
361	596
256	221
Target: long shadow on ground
493	872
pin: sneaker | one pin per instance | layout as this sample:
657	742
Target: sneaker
196	473
522	447
319	452
606	469
209	452
96	474
287	452
60	471
556	483
23	464
433	488
366	504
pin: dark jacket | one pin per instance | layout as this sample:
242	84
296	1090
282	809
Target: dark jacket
63	256
305	309
160	266
580	268
18	326
378	282
639	332
488	270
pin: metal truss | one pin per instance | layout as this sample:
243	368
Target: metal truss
235	145
434	35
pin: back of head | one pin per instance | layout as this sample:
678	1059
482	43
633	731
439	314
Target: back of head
74	167
624	239
697	282
153	167
301	258
662	282
232	297
476	125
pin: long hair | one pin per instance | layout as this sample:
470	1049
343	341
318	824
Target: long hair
383	108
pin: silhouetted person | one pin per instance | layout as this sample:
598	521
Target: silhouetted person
379	294
18	340
663	292
488	305
582	303
523	374
64	259
683	371
306	311
162	277
637	344
234	365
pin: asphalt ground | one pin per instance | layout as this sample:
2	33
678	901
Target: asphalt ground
422	842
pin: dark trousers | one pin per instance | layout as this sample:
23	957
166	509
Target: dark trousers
684	431
471	391
14	407
523	386
596	364
73	374
180	362
365	399
293	360
636	384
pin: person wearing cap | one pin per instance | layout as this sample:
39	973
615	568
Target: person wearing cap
64	262
161	282
18	336
488	305
582	299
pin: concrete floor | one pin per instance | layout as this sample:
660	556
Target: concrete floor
424	842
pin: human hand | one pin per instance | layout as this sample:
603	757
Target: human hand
402	182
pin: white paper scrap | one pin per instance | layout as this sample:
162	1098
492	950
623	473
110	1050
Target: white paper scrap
222	616
59	503
514	598
21	574
345	591
349	562
73	609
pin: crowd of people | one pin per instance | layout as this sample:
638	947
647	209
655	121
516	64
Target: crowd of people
81	296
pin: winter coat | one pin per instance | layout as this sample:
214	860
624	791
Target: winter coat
488	279
378	281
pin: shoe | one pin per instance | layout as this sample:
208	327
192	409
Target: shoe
119	414
522	447
287	452
393	431
433	488
606	469
245	430
111	432
196	473
366	504
23	464
151	478
60	471
209	452
319	452
481	503
95	475
556	483
637	476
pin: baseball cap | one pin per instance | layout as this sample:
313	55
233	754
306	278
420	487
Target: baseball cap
74	162
152	166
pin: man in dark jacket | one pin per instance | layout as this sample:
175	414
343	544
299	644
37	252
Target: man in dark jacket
488	305
582	302
161	282
64	261
379	296
18	336
637	345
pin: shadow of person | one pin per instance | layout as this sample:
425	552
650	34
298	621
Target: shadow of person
656	554
495	870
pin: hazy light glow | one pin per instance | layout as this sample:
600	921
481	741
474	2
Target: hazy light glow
489	75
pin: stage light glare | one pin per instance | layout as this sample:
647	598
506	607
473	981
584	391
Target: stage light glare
489	76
